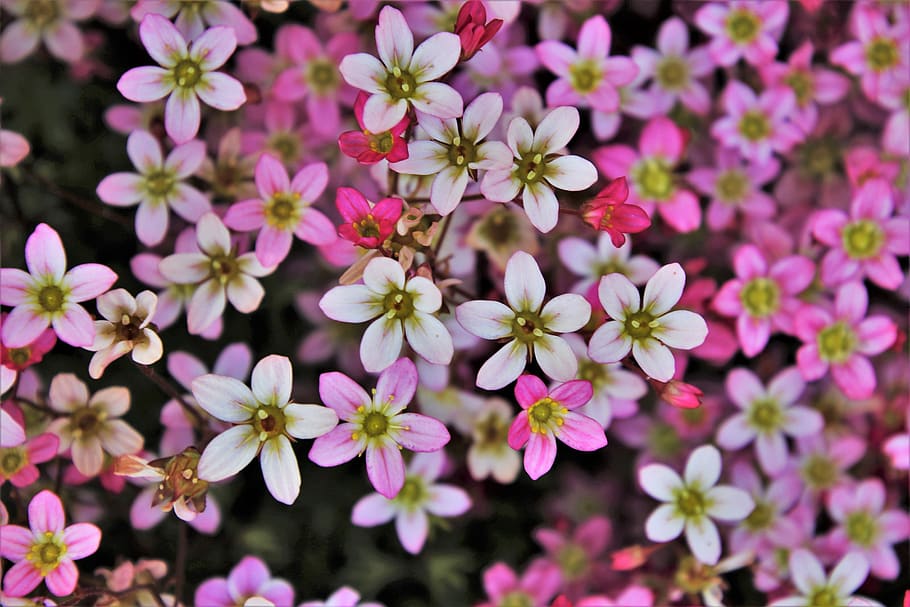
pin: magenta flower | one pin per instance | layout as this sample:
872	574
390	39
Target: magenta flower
420	496
377	425
650	172
842	339
535	588
18	463
578	555
49	295
548	415
763	299
865	243
735	186
343	597
816	588
15	360
368	147
159	186
192	18
587	77
47	549
743	28
608	212
473	29
404	77
757	126
187	74
366	225
249	583
50	22
879	55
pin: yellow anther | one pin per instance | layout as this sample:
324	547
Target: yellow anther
125	319
355	436
263	436
361	408
390	314
261	414
521	321
636	324
653	324
456	140
187	474
532	174
399	298
538	157
537	333
405	87
396	71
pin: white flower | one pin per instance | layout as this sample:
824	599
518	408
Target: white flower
809	577
126	329
593	262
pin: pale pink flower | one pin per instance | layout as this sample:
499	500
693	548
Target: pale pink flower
46	550
265	421
17	463
529	325
49	294
897	450
646	327
455	151
15	360
766	415
187	74
284	210
249	583
743	28
837	588
282	135
377	425
500	67
11	431
343	597
13	148
420	497
126	329
691	502
842	339
823	461
588	77
535	588
405	308
767	527
592	262
896	134
404	76
159	186
759	125
550	414
578	555
220	273
489	453
735	187
192	18
539	166
50	21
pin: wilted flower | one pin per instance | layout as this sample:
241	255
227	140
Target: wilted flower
127	328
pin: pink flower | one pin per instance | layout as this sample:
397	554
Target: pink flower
472	28
735	186
536	586
186	76
587	77
47	21
746	29
762	298
191	20
757	126
49	295
609	213
126	329
842	339
265	421
865	244
13	148
377	425
823	461
897	450
577	555
366	225
17	464
814	586
419	497
47	549
14	360
896	135
249	583
767	527
404	77
343	597
548	415
662	146
368	147
159	186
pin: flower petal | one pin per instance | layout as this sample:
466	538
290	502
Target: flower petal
228	453
664	524
385	468
280	469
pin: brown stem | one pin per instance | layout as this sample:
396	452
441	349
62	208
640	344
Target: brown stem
85	204
180	562
34	405
168	389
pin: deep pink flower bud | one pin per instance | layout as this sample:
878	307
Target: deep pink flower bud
680	394
472	28
609	213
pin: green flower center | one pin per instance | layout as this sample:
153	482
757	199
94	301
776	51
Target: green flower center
12	460
863	239
731	186
18	356
819	472
753	125
398	304
664	441
882	54
51	298
381	143
573	561
400	84
593	372
640	324
283	210
819	157
672	73
760	297
224	268
47	552
286	145
461	152
531	168
765	415
41	13
160	183
861	528
516	598
801	83
653	179
527	327
413	493
761	517
690	502
836	342
907	99
585	76
742	25
824	597
269	421
187	73
491	431
367	227
545	414
181	292
322	76
499	228
375	424
87	421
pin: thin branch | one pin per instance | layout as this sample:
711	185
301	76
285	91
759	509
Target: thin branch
85	204
172	392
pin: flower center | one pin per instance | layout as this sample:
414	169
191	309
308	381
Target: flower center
653	179
819	472
12	460
180	480
573	561
836	342
86	421
862	239
882	54
546	414
531	167
51	298
400	84
760	297
128	328
224	268
160	183
286	145
753	125
17	358
663	440
585	76
690	502
819	157
527	327
269	422
41	13
742	26
801	83
187	73
47	552
322	76
640	324
375	424
761	517
861	528
283	210
498	228
731	186
398	304
491	431
824	597
367	227
381	143
672	73
461	152
516	598
593	372
413	493
765	415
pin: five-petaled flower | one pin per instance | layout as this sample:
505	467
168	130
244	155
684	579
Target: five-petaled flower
366	225
127	328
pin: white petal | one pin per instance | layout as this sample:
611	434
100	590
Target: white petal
703	540
481	116
381	344
566	313
681	329
571	173
272	379
664	289
280	469
425	295
541	206
556	130
429	338
503	367
609	344
703	467
225	398
228	453
659	481
524	284
654	358
351	303
556	358
664	524
309	421
383	274
486	319
435	56
618	296
729	503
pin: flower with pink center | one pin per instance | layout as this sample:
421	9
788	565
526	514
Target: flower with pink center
865	243
841	339
539	166
343	597
759	125
535	588
691	502
18	463
404	76
377	425
743	28
674	69
158	187
265	422
767	526
763	298
650	172
550	414
816	588
50	21
46	550
647	328
879	55
577	555
126	329
419	497
186	75
13	148
249	583
766	415
368	147
592	262
49	294
192	17
735	187
313	76
587	77
529	325
284	210
15	360
220	273
365	224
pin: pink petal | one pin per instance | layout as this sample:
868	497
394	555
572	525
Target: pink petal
21	578
529	389
81	539
65	42
182	116
206	305
372	510
342	394
855	377
22	327
503	367
75	327
519	431
145	84
540	454
45	513
44	254
89	280
315	228
422	433
15	542
162	40
248	576
412	528
335	447
17	41
581	433
213	48
221	91
14	284
385	468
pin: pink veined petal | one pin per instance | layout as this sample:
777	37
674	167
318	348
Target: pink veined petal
385	468
228	453
397	383
664	289
273	245
145	84
152	219
381	344
44	254
540	453
88	281
315	228
609	344
81	539
581	433
787	386
145	152
62	580
221	91
802	421
851	302
875	334
213	48
206	305
335	447
189	203
310	181
703	540
22	327
519	431
280	469
422	433
503	367
75	327
703	467
412	528
182	116
664	524
394	40
573	394
594	38
246	215
14	284
654	358
372	510
186	159
885	271
15	542
225	13
162	40
342	394
661	137
213	591
45	513
556	56
659	481
855	377
555	357
529	389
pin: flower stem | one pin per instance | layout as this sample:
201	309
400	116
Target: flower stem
168	389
